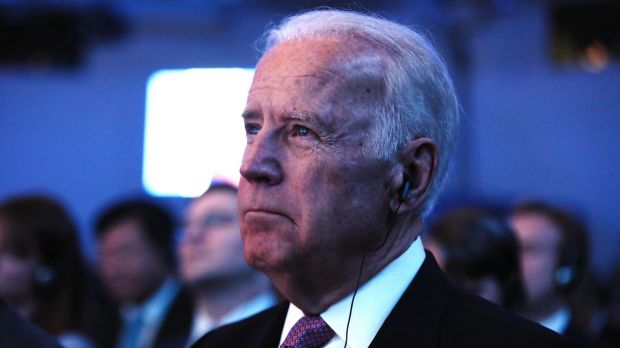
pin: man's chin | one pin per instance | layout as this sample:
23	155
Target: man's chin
259	262
270	248
266	261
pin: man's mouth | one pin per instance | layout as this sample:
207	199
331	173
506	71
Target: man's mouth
261	215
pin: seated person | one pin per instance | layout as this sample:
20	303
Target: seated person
610	334
350	122
554	254
137	263
224	287
42	272
479	252
15	331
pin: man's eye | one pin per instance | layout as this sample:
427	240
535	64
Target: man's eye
251	128
301	131
216	220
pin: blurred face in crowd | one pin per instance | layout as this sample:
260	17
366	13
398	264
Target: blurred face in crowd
539	239
485	287
437	250
16	271
211	247
309	196
131	267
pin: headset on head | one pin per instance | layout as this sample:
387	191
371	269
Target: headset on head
569	267
572	251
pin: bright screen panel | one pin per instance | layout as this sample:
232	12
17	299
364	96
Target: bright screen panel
193	129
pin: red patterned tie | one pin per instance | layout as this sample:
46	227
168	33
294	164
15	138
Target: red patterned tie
308	332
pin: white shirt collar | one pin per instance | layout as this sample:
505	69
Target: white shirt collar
152	311
159	302
558	320
373	303
203	323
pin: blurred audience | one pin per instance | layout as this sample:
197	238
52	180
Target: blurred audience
137	263
225	288
15	331
479	252
42	272
610	335
554	260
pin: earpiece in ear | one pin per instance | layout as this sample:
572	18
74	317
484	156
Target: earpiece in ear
404	192
43	275
564	276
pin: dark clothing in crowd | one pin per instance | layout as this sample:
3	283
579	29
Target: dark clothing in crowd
16	332
173	332
431	313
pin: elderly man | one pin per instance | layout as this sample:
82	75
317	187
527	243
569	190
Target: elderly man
350	124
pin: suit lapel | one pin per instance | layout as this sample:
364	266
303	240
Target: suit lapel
175	328
416	318
271	331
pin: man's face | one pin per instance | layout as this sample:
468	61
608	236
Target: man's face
211	247
308	196
131	267
539	240
485	287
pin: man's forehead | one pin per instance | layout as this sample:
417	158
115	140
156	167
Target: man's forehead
536	227
214	199
129	230
317	74
324	59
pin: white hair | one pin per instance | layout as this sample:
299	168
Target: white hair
419	98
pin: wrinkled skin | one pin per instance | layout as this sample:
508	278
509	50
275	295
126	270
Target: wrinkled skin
311	202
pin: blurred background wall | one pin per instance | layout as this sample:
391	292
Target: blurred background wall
536	126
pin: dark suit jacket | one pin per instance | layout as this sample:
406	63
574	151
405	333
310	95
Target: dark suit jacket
173	332
16	332
576	333
431	313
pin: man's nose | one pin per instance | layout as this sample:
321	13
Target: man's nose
190	235
261	161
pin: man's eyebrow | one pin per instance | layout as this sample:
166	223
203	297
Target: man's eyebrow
304	116
248	114
317	121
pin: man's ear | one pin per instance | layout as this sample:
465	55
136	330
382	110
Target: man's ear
419	160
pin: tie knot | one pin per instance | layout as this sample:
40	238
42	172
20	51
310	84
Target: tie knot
308	332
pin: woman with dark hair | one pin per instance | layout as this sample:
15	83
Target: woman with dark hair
42	272
479	252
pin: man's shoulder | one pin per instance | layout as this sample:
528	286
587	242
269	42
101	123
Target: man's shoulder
472	319
435	313
18	332
176	324
260	330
